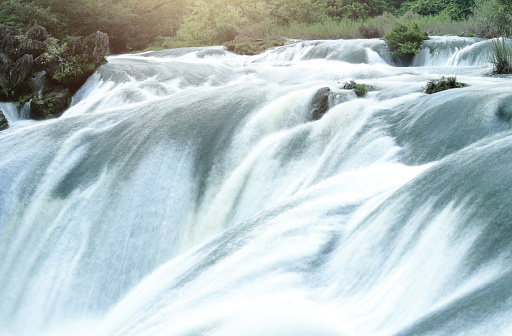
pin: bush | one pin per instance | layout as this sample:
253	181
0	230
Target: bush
64	68
359	89
501	57
368	31
404	40
493	18
438	85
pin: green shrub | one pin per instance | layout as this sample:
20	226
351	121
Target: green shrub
501	57
404	40
438	85
369	31
359	89
64	68
493	18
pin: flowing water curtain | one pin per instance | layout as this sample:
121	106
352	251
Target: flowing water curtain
193	191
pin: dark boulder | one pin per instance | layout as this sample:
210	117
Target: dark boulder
320	103
32	47
21	70
4	69
9	41
3	122
37	33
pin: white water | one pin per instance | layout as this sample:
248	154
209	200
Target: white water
189	192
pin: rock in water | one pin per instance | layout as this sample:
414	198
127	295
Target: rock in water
3	122
320	103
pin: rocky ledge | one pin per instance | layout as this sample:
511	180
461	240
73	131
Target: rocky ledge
37	68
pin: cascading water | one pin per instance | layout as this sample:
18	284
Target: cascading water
191	192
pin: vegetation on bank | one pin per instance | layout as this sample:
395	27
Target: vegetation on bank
36	68
137	25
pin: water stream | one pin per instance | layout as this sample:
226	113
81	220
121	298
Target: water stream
191	192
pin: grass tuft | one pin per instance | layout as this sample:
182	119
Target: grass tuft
359	89
501	57
438	85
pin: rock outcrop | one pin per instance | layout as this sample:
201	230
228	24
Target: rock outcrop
320	103
93	47
3	122
27	60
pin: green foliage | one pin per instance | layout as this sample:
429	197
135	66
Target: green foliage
359	89
305	11
244	45
454	9
501	57
213	22
493	18
19	14
135	25
129	24
405	39
66	69
438	85
356	9
369	31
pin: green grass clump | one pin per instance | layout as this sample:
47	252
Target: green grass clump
438	85
359	89
501	57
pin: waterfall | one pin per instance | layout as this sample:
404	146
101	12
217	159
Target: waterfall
192	192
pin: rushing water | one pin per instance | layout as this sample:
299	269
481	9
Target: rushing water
190	192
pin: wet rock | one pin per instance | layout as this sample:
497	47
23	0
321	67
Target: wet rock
3	122
52	103
320	103
21	70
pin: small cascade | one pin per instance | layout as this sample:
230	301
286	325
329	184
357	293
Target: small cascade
25	111
372	51
453	51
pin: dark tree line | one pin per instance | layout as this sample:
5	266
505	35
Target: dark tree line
135	24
